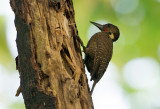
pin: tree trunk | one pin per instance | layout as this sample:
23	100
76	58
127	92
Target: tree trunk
52	74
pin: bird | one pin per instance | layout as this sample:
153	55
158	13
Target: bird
99	50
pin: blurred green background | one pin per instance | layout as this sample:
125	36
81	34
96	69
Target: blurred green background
133	77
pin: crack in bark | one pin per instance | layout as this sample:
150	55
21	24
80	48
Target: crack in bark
49	35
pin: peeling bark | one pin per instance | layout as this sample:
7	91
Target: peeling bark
49	57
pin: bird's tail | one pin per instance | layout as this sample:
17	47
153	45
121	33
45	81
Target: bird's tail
93	86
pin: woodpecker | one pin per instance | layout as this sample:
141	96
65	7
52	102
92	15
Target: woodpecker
98	51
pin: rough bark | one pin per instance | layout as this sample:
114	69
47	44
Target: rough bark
52	74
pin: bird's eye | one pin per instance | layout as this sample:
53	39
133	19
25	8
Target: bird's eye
109	33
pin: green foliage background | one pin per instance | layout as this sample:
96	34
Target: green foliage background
5	55
138	37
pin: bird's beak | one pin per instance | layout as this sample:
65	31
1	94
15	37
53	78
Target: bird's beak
97	25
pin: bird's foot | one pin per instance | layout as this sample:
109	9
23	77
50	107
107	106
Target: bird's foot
80	41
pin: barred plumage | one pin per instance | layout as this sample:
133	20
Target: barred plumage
98	51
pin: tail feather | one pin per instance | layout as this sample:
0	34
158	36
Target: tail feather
93	86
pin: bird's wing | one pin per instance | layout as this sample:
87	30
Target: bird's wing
102	56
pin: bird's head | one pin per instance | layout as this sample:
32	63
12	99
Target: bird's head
111	29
